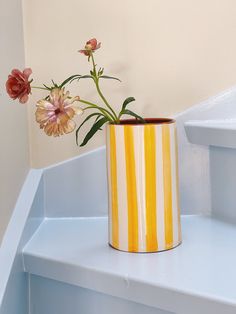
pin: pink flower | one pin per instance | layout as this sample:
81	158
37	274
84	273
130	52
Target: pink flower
18	85
90	46
55	115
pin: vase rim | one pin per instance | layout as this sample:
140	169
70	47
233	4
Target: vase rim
147	120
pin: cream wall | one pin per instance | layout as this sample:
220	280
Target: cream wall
14	152
169	55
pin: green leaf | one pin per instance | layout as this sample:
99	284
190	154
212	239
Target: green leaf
81	77
100	72
126	102
131	113
96	126
85	120
69	79
49	88
73	78
98	117
110	77
55	85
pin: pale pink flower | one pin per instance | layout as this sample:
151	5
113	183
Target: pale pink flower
55	115
90	46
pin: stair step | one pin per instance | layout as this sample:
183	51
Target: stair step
212	132
199	275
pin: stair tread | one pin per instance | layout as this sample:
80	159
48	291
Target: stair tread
201	270
218	132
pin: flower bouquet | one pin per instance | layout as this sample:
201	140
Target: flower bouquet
142	163
55	113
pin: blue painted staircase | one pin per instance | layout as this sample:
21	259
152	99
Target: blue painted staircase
55	258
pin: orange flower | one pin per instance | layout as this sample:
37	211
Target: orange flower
55	115
90	46
18	85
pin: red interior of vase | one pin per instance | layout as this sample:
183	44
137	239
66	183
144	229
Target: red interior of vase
147	120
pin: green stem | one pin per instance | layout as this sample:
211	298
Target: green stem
36	87
104	111
96	80
94	65
104	100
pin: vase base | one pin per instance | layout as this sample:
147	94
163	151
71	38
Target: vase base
145	252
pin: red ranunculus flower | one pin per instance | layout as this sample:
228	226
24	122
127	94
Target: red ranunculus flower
18	85
90	46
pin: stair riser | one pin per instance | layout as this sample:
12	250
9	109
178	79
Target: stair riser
49	297
223	183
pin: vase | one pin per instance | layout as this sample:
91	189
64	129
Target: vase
142	170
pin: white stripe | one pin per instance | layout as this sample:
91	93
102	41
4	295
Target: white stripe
109	182
174	185
122	189
140	182
160	190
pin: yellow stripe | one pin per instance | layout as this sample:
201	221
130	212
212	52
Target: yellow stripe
167	186
114	197
177	184
150	170
131	190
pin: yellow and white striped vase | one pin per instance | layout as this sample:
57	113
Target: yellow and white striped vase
144	214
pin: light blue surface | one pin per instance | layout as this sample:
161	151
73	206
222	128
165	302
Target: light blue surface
223	183
212	132
194	159
53	297
197	277
77	187
27	216
220	136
